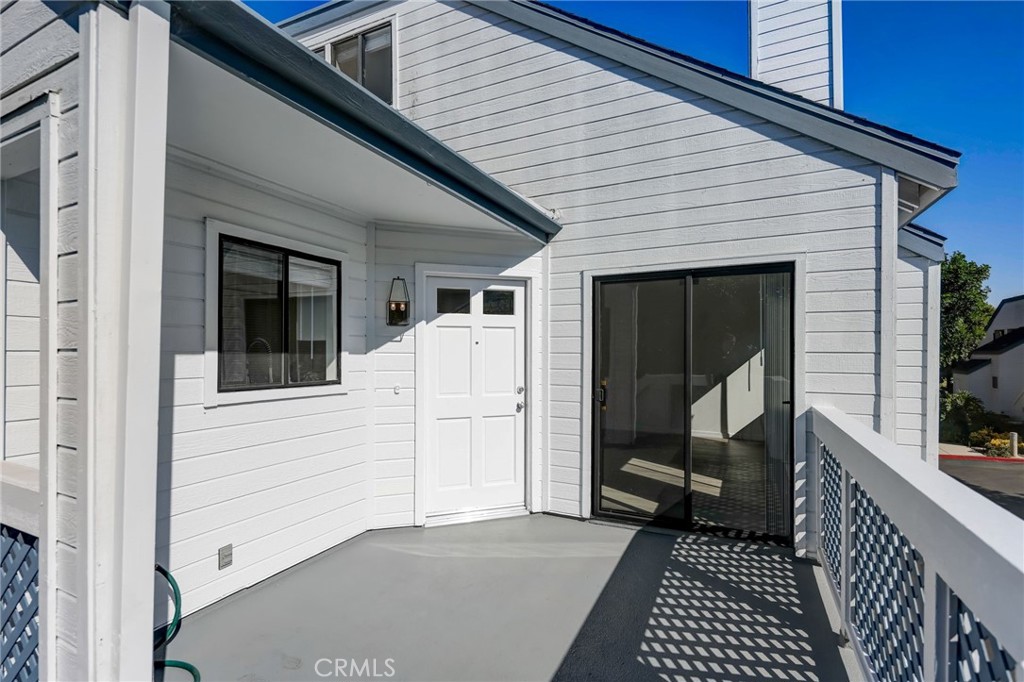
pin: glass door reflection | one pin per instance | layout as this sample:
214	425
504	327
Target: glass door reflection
642	406
692	399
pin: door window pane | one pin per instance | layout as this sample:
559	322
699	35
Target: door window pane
499	303
453	301
251	348
312	321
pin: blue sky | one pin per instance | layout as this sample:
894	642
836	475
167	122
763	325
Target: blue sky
951	72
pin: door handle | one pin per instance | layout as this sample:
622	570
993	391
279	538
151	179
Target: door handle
520	405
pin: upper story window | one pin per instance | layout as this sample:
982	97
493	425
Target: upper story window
367	59
278	317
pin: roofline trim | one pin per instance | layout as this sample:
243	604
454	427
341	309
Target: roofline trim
913	240
276	63
915	158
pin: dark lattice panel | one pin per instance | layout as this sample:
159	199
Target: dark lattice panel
19	606
887	588
974	654
831	513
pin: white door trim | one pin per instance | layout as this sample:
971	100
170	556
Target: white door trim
534	402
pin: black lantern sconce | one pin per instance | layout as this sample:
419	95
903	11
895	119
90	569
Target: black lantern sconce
398	303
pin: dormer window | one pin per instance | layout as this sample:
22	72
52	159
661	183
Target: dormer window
367	59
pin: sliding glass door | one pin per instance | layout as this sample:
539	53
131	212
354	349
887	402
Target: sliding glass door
692	399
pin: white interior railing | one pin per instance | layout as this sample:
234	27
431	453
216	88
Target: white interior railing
927	574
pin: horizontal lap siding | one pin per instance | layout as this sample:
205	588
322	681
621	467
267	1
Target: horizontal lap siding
397	252
911	350
279	480
793	45
39	52
645	173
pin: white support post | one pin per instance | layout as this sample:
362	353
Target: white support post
931	398
936	626
845	547
48	142
887	262
124	138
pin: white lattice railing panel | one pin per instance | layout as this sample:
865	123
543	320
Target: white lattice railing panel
19	606
907	548
887	594
831	514
975	655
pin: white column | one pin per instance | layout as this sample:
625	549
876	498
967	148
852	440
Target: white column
124	136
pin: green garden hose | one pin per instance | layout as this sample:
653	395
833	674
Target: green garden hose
163	636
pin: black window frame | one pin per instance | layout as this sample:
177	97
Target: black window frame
285	252
360	37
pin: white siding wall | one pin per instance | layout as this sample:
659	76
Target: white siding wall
643	173
280	480
21	319
397	252
791	44
911	351
39	52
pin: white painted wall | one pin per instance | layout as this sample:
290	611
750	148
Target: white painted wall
644	174
796	45
39	44
280	480
20	335
912	372
1006	367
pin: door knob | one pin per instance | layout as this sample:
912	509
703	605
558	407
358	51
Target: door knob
520	405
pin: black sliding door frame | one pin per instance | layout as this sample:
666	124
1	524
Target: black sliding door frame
687	276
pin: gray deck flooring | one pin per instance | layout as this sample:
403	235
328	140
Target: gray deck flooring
528	598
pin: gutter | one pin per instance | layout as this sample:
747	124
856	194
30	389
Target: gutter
242	42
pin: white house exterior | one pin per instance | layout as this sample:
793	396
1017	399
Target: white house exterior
607	246
994	372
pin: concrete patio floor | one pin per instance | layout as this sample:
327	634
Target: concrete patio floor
528	598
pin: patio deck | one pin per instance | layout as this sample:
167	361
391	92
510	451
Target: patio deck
528	598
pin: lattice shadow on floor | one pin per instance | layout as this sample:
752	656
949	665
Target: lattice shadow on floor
694	607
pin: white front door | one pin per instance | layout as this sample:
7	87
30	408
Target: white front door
476	395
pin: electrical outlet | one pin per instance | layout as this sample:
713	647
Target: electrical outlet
224	557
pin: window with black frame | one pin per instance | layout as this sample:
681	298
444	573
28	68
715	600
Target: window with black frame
367	59
278	317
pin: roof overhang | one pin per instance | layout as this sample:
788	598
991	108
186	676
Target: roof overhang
242	43
923	242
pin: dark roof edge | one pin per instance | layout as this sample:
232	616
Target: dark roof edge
925	233
971	366
264	55
925	161
1006	342
328	13
999	307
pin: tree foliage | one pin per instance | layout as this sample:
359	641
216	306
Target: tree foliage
965	309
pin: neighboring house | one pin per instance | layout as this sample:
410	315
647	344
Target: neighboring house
630	275
995	371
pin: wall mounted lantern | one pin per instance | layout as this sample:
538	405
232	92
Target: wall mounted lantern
398	303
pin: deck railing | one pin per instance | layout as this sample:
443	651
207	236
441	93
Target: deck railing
927	574
19	573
